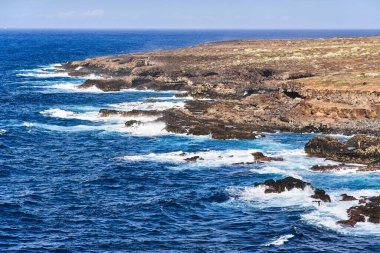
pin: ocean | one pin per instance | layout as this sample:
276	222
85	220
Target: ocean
71	181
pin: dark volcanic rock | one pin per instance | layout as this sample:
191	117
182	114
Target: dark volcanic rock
281	185
325	168
321	194
358	149
179	122
193	159
289	183
130	123
107	84
369	211
110	112
346	197
260	157
342	167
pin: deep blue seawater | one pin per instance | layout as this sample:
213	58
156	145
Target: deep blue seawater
73	182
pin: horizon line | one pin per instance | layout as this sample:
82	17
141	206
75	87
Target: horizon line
193	29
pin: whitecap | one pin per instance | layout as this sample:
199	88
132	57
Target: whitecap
209	158
72	87
141	129
279	241
170	98
326	216
153	91
94	116
151	128
3	131
257	196
276	170
45	74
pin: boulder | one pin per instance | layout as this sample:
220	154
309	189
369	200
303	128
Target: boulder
321	194
193	158
260	157
346	197
130	123
290	183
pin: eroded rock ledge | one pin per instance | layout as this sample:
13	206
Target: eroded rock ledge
358	149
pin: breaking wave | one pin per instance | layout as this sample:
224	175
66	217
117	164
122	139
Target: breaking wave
210	158
94	116
142	129
279	241
326	216
158	106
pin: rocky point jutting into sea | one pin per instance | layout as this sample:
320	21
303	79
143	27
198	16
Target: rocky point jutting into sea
304	85
243	89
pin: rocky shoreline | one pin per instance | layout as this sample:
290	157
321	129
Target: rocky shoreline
316	85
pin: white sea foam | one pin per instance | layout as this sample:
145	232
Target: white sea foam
91	76
159	106
45	74
3	131
52	71
326	216
147	128
257	196
142	129
279	241
210	158
71	87
152	91
295	162
94	116
276	170
350	170
170	98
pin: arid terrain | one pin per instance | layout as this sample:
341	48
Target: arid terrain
309	85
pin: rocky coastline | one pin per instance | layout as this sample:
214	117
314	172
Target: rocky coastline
314	85
244	89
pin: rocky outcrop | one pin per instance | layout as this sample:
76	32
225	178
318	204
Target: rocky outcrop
358	149
106	85
321	194
345	167
110	112
179	122
368	211
131	123
346	197
260	157
290	183
193	158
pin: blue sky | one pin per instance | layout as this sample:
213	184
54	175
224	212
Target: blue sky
191	14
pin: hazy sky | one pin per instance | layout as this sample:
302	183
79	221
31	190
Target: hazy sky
191	14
